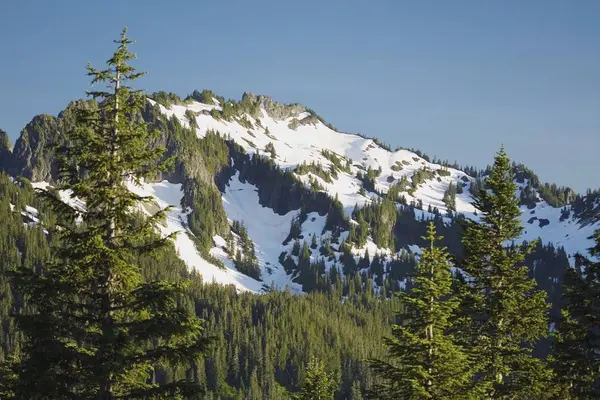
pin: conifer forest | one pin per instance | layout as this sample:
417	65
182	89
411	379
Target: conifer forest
154	246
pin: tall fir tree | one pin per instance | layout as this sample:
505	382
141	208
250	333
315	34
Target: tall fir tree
318	384
576	357
504	314
97	330
425	360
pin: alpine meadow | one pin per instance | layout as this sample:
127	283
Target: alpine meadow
154	246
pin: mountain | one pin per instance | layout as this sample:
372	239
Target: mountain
271	199
268	195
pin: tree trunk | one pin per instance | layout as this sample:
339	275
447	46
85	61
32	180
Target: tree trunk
106	390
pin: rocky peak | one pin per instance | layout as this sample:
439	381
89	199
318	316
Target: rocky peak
274	109
32	152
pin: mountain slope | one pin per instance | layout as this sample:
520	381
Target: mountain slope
282	172
302	139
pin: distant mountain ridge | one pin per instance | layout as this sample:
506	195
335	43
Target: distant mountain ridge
270	195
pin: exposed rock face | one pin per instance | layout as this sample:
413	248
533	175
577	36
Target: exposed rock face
6	157
309	120
33	152
274	109
187	163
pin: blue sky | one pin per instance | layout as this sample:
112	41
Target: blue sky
452	78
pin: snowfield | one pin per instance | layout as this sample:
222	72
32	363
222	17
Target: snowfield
169	194
306	144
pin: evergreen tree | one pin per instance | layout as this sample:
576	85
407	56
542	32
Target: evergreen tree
318	384
270	148
449	198
94	329
576	356
426	362
504	313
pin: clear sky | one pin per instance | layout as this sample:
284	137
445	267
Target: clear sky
452	78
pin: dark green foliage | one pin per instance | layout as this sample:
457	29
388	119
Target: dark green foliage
336	220
191	116
502	310
94	328
203	166
167	99
528	196
21	246
206	96
277	189
359	231
425	361
275	336
282	330
381	218
295	228
243	121
293	124
234	111
397	166
368	179
449	198
340	163
6	156
250	142
475	187
556	196
318	384
587	207
313	242
200	164
419	177
394	192
576	356
381	144
269	148
245	256
347	260
315	185
443	171
317	169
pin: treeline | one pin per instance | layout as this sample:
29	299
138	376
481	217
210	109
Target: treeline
278	328
469	324
105	308
96	305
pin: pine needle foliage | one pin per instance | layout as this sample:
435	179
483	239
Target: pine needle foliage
504	313
576	357
425	361
97	329
318	384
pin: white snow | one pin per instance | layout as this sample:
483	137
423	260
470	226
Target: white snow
570	234
305	145
167	194
266	228
40	185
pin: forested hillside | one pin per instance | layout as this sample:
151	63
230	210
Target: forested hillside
263	343
232	249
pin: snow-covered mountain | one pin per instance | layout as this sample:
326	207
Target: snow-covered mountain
355	170
304	139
